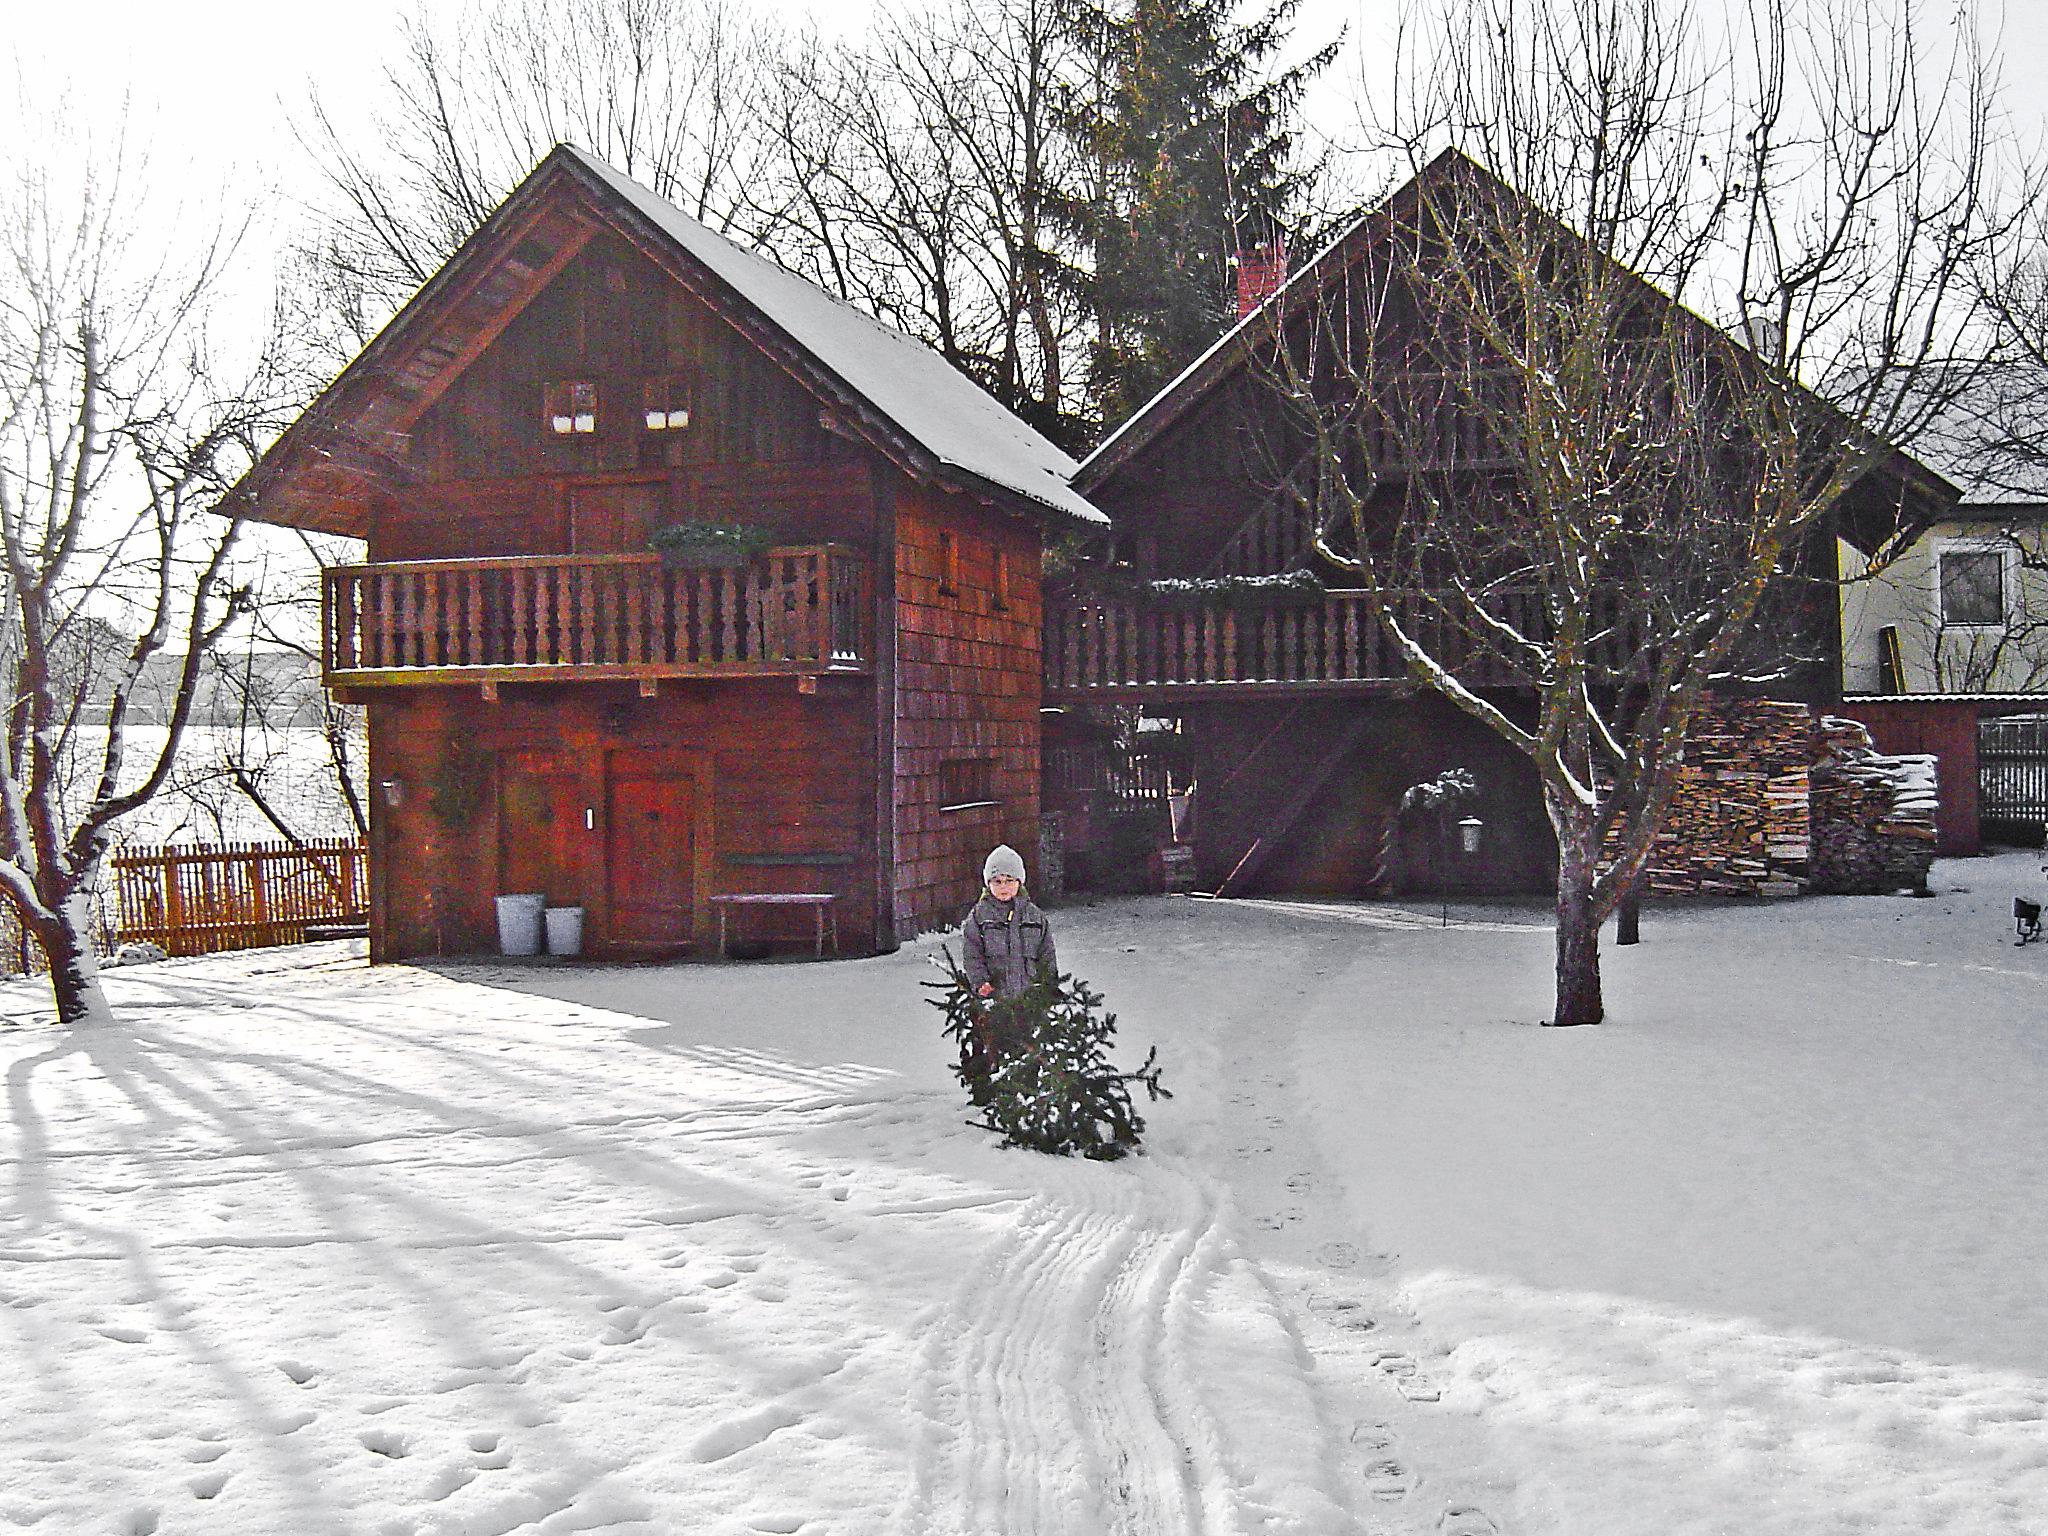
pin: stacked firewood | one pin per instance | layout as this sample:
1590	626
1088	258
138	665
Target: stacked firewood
1873	815
1739	820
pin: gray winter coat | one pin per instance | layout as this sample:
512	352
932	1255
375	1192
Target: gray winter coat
1006	943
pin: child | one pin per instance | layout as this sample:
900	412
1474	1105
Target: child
1007	937
1007	941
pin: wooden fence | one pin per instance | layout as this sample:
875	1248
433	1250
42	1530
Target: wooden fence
2012	765
196	900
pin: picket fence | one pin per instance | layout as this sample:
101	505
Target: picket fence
196	899
199	899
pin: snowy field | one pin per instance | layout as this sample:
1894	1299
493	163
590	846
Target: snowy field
303	1247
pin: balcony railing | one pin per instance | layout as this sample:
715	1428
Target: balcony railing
800	609
1099	646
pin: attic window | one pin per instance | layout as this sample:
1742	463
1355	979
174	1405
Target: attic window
572	407
665	404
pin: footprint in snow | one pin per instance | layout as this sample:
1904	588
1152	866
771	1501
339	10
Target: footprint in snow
123	1335
206	1451
207	1485
1345	1312
1466	1520
748	1429
385	1442
777	1525
1338	1255
139	1521
1408	1378
629	1326
300	1373
451	1479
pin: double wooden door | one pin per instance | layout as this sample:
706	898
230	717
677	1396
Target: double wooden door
624	834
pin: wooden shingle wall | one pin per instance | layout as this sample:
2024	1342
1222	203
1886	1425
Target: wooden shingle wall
967	695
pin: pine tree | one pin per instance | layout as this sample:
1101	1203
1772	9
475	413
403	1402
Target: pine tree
1191	147
1051	1086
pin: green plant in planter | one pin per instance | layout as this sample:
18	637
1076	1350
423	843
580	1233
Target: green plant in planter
1287	589
687	545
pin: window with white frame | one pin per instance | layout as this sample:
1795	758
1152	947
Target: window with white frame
1972	588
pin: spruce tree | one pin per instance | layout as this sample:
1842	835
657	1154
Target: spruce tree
1037	1065
1190	151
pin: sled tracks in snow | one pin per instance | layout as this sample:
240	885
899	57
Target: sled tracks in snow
1056	1390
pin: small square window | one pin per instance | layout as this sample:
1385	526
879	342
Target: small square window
966	782
665	404
571	407
1973	588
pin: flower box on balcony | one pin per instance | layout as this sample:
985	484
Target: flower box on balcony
688	546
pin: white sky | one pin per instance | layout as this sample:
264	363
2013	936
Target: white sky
216	80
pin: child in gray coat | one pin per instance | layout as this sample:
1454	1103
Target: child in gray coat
1008	941
1007	938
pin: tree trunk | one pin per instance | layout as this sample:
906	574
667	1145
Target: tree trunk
66	943
1578	938
1628	921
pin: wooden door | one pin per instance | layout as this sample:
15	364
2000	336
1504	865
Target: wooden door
544	830
614	518
656	842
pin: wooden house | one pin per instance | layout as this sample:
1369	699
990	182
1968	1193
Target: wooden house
850	711
1298	724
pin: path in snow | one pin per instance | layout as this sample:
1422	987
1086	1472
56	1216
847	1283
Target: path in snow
302	1247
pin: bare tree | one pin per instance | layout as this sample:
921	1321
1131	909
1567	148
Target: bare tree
669	91
276	742
918	169
119	431
1552	476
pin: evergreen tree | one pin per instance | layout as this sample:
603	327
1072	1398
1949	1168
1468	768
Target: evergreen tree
1191	154
1037	1065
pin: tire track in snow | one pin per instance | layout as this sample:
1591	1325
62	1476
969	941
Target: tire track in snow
1050	1396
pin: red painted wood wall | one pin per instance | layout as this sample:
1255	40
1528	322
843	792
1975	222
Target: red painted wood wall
1948	729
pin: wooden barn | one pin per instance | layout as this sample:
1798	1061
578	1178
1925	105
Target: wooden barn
1297	724
825	685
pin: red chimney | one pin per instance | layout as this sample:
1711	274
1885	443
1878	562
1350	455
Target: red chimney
1260	273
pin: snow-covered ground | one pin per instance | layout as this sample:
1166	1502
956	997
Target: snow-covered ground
304	1247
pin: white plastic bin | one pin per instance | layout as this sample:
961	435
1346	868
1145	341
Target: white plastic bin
519	923
565	930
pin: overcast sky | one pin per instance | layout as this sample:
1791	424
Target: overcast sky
215	79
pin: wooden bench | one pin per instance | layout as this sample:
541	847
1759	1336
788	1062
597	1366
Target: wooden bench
820	903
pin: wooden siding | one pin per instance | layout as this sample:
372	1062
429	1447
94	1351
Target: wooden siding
967	690
781	781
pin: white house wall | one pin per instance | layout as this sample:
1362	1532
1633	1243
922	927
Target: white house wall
2011	657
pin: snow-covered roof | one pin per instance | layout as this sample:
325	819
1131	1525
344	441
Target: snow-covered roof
926	397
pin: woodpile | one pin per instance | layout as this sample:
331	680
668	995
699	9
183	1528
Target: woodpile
1739	823
1873	815
1772	803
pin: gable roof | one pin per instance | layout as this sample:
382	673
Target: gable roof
906	400
1307	285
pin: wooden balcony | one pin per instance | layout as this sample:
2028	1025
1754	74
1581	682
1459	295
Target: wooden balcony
1127	647
585	618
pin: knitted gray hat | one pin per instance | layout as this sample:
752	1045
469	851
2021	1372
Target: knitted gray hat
1004	861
